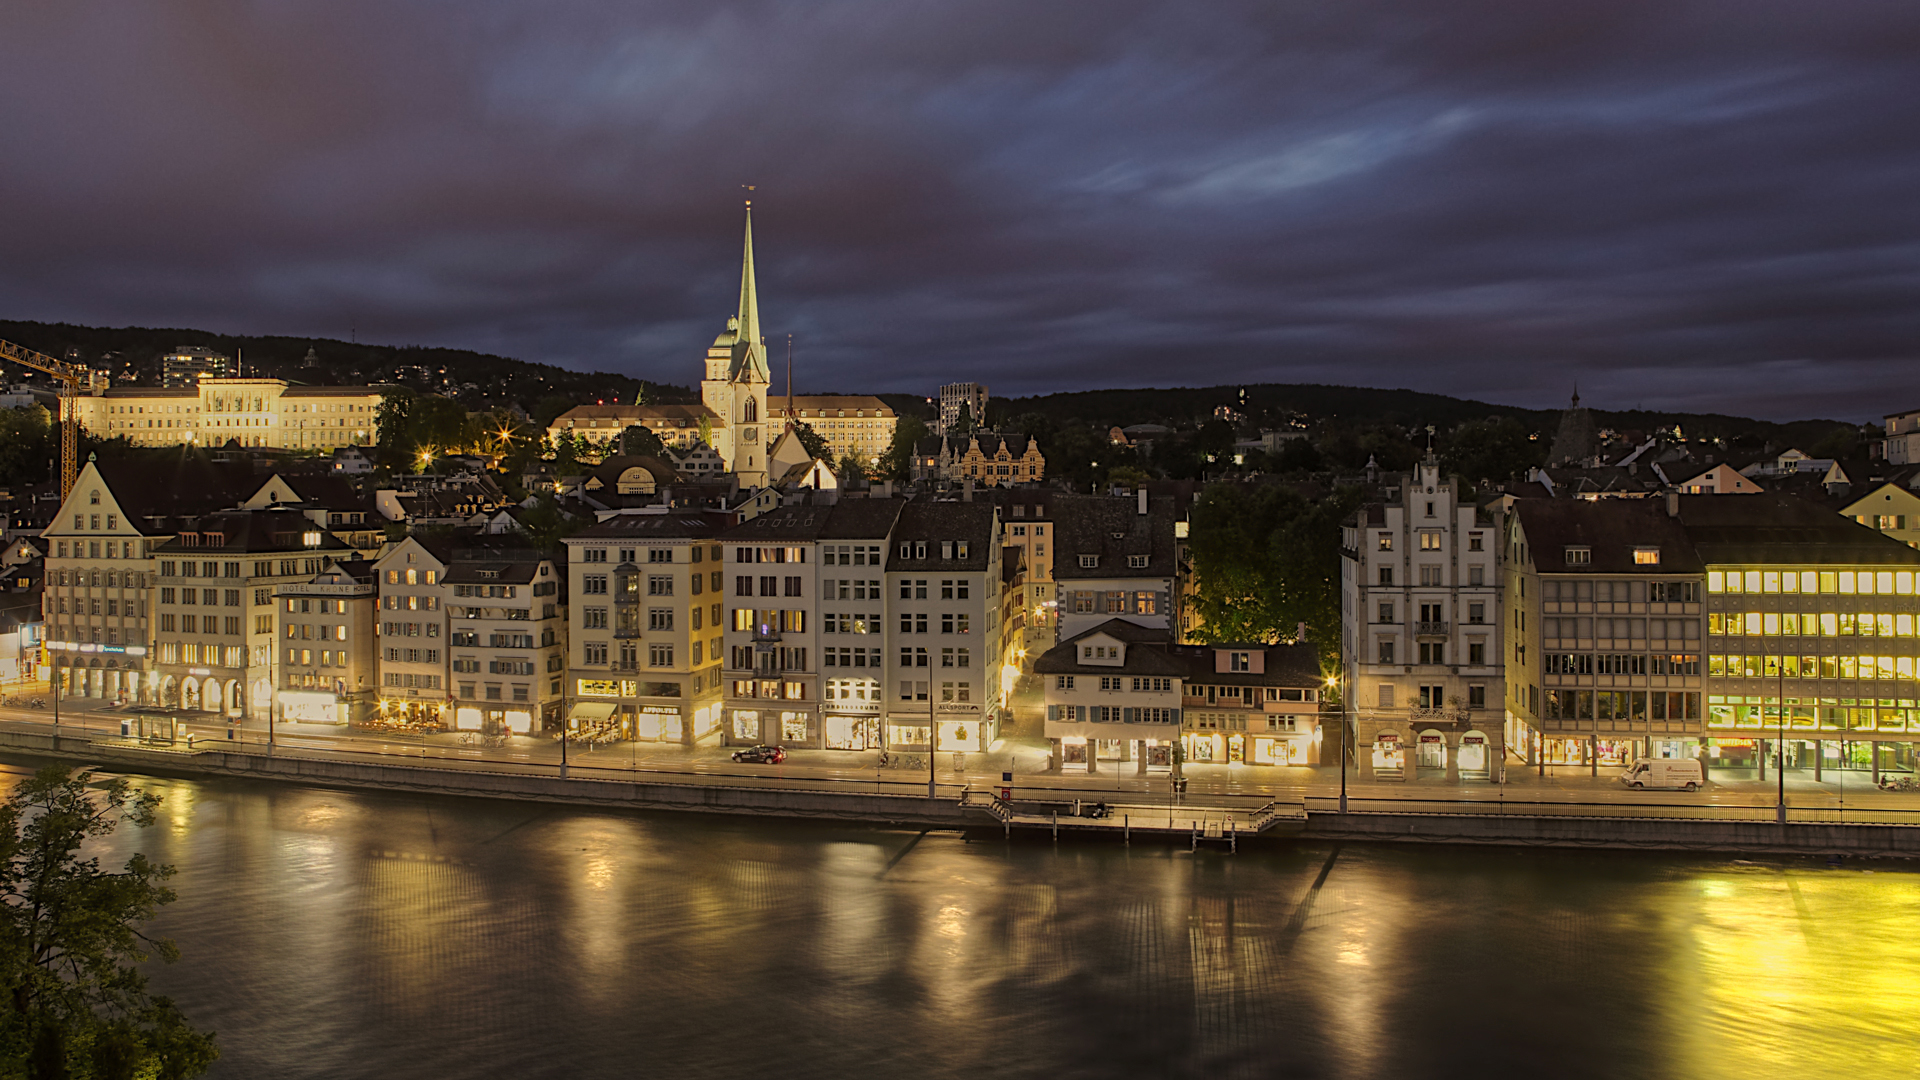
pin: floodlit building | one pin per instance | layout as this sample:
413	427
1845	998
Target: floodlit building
1113	558
644	646
943	584
506	641
329	663
772	659
852	424
249	412
956	398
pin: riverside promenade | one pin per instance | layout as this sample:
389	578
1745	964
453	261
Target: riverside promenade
1841	815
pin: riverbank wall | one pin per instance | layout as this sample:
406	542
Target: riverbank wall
657	793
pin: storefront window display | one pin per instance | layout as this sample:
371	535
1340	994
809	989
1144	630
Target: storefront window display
1433	750
1476	762
1389	756
746	725
851	732
658	723
793	727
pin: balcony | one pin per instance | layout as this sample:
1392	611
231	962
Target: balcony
1430	629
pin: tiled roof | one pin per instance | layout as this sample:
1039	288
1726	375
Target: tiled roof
1610	530
1147	653
862	519
935	522
672	525
275	529
1111	529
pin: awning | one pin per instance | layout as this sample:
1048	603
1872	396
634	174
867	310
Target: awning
590	710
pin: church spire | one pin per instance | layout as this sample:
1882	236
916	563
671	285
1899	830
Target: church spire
749	351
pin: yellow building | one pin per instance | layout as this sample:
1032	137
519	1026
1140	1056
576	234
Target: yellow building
253	412
1890	508
854	424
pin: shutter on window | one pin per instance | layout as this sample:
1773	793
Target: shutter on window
1126	715
1174	714
1053	714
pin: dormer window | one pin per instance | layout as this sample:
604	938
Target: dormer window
1239	662
1088	562
1646	556
1579	556
1137	562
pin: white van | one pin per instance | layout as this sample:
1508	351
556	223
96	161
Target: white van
1682	773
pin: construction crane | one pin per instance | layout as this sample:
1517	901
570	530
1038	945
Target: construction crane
74	380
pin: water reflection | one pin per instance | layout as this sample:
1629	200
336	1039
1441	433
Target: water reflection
334	934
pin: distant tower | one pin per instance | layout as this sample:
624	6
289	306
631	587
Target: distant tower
737	380
1575	443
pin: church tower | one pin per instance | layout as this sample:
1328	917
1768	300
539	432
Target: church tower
736	382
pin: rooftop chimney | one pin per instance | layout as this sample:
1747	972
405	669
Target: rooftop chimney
1673	504
1142	493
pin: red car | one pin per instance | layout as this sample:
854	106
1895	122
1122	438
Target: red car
761	755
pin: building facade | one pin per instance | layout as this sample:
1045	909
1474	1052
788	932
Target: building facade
958	397
644	642
1604	643
329	663
1422	627
250	412
943	589
983	457
772	675
506	642
1113	557
852	424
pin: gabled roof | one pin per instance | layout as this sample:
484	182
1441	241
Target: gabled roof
1286	665
1111	529
672	525
1773	528
1609	530
1148	653
798	523
862	519
277	529
934	522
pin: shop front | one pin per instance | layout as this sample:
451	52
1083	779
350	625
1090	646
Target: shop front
492	721
659	723
1430	754
746	727
850	714
1475	757
964	727
310	707
798	728
589	721
1389	756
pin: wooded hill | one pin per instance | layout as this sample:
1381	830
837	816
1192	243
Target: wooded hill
1411	409
478	380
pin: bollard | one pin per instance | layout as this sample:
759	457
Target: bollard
1056	826
1126	826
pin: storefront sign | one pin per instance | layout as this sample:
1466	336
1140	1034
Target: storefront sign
608	687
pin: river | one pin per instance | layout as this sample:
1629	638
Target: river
345	934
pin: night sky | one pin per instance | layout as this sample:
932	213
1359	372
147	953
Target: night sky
1699	206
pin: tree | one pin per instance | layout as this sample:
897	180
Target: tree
1266	560
811	440
75	1001
1496	448
962	421
26	445
850	468
897	463
641	441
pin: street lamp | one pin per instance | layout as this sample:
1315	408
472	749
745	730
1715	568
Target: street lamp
1780	745
1333	683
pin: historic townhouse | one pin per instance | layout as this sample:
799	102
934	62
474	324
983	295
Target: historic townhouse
1026	521
943	590
853	608
331	503
1120	693
1421	615
984	457
644	641
773	668
99	588
677	426
506	641
329	671
214	639
1113	694
1604	613
1113	558
412	626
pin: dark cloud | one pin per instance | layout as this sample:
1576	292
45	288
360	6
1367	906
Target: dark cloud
1696	205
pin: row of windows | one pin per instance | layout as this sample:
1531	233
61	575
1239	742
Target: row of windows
85	606
695	553
410	629
310	631
836	657
1824	714
411	681
1430	540
1621	592
1116	603
206	624
1827	582
208	653
950	623
1433	575
1638	705
391	602
770	585
1431	652
1111	714
1620	664
323	658
1824	624
91	549
1587	627
415	656
949	691
1736	666
844	623
1434	697
850	554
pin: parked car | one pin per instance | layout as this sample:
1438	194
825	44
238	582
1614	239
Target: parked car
1681	773
761	755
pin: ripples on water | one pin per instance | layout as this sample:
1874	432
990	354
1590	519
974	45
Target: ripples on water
341	934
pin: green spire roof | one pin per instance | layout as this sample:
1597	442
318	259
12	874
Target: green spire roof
749	351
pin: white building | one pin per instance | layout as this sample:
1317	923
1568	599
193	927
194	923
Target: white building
252	412
1421	613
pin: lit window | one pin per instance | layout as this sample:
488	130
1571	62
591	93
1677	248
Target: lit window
1645	556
